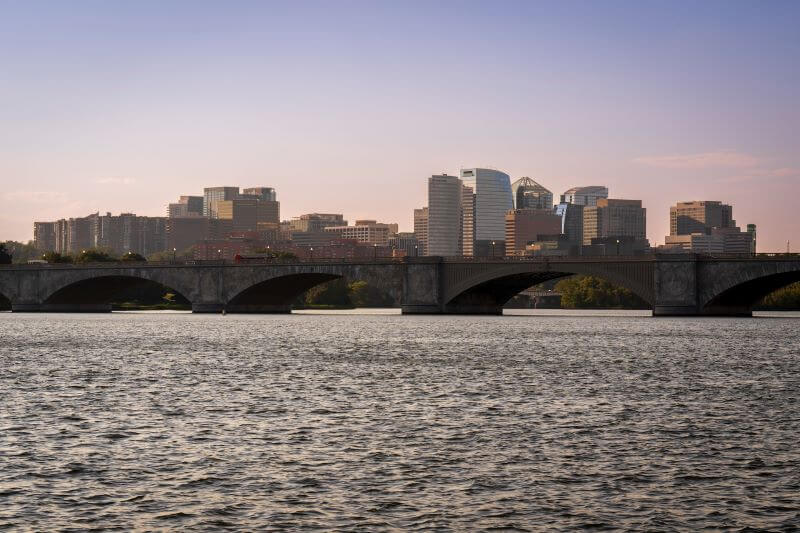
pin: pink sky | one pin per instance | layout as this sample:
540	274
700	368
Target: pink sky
350	107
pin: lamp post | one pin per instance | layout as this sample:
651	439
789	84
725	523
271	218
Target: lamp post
416	251
617	246
375	251
492	248
312	253
219	254
174	250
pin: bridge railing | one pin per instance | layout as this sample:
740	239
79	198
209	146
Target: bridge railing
407	260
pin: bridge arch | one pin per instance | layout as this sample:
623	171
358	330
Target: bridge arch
95	293
486	290
276	294
739	299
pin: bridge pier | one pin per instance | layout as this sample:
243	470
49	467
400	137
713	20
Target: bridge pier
207	307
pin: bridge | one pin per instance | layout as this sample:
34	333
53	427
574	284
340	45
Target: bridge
673	284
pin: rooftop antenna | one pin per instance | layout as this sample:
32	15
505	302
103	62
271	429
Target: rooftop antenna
787	247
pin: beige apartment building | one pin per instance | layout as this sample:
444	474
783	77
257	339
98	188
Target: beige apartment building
614	218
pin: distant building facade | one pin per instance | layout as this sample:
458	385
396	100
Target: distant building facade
528	194
492	200
526	226
613	218
444	215
213	195
707	226
686	218
571	216
421	229
364	231
118	234
587	196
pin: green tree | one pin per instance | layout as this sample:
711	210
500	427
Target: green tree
94	255
167	255
133	257
5	255
363	294
22	252
55	257
587	292
335	293
786	298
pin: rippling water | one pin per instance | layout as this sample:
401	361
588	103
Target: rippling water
179	421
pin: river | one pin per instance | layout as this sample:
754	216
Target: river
367	420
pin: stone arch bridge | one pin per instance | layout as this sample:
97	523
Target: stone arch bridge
673	284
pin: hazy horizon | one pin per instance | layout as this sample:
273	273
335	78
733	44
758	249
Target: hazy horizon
349	107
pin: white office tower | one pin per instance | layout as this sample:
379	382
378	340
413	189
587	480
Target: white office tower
587	196
444	215
492	190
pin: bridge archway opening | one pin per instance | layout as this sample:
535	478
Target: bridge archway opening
742	298
490	296
276	295
104	293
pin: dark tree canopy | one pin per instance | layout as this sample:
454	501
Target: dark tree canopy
5	255
587	292
133	258
94	255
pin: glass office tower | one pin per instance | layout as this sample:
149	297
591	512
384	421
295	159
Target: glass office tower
492	199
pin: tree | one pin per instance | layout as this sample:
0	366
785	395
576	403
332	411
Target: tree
785	298
363	294
94	255
334	293
586	292
5	255
133	258
55	257
22	252
167	255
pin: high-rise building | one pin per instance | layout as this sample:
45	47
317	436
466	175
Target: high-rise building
421	229
263	193
186	206
316	222
612	218
493	199
212	195
686	218
241	211
584	195
44	236
528	194
571	223
751	229
269	208
366	231
526	226
444	215
467	221
405	244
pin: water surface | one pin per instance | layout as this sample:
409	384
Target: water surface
353	421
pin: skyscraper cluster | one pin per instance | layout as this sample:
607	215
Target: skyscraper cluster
478	213
707	227
481	213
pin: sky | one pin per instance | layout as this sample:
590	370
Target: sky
349	107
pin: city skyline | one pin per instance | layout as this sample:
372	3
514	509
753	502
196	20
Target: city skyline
659	104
